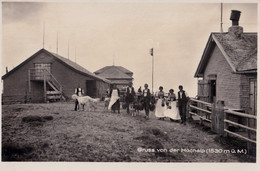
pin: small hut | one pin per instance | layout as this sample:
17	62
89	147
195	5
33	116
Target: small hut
228	68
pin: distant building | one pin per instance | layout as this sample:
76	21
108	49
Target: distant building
48	76
117	75
228	69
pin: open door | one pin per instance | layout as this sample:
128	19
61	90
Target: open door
212	91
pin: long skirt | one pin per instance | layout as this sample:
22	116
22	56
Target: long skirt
173	111
160	109
116	106
114	98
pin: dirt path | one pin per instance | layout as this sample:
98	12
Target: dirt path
67	135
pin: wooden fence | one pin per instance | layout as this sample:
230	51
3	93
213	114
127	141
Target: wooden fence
222	119
19	98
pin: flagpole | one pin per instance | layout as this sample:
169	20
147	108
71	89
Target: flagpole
152	68
221	22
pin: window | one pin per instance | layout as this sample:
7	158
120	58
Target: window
39	70
43	66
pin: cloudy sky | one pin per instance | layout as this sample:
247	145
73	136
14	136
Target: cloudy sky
100	31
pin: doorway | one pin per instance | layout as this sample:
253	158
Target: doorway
212	91
91	88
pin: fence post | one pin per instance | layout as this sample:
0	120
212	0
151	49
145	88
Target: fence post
249	144
44	86
29	80
217	120
213	118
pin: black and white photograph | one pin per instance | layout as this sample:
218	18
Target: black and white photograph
144	82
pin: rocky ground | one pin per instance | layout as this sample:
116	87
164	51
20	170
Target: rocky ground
54	132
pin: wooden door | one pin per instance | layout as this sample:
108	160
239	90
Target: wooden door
203	90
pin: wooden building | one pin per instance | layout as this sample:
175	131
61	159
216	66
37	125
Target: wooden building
117	75
45	76
228	69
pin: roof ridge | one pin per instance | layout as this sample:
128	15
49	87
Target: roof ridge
122	72
114	72
121	68
80	69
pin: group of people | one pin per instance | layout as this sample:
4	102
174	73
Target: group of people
166	105
171	106
130	97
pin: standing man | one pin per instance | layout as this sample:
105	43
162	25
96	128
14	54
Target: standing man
79	92
182	103
146	100
130	93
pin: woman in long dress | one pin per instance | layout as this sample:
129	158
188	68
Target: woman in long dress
114	103
172	110
160	104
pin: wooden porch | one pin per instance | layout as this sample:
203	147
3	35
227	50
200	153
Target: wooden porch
44	76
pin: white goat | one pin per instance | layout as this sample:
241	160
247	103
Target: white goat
90	102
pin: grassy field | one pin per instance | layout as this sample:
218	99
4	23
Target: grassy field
54	132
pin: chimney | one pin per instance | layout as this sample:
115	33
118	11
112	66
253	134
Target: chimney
235	15
235	29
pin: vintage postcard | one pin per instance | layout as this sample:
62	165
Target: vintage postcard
123	83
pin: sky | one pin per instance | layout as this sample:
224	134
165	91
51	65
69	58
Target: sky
96	34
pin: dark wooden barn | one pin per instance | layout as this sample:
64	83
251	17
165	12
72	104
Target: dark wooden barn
228	70
48	76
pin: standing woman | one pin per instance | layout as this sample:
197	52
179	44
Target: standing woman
172	110
146	100
114	103
160	104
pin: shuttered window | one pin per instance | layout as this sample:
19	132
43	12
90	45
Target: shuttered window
39	70
203	90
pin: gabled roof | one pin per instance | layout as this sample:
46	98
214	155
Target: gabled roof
124	70
114	72
63	60
240	53
123	82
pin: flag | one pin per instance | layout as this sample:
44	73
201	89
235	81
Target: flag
151	52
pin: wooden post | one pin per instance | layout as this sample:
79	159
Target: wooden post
44	84
213	118
60	93
217	119
249	144
220	106
29	80
200	112
225	124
